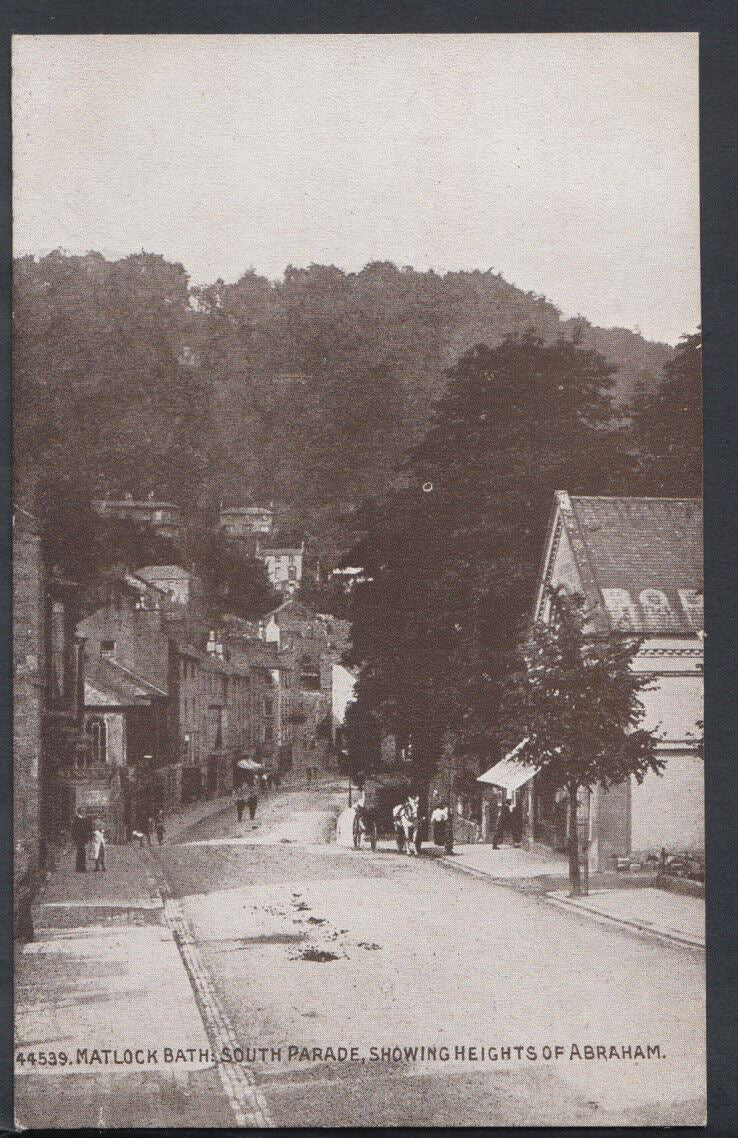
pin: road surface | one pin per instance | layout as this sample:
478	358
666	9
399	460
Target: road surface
298	948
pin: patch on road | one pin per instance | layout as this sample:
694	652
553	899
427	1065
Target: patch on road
316	955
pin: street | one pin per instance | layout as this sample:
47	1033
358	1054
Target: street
280	979
316	947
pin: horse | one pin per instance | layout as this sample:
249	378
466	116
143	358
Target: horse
410	820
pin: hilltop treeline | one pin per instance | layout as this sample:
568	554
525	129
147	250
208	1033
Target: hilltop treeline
310	391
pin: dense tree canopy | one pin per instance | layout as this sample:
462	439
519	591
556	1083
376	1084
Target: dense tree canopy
453	556
101	393
668	425
310	391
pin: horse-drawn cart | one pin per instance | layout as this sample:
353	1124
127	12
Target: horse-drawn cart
375	817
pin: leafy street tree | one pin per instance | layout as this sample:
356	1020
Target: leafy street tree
575	701
234	582
668	425
362	741
453	556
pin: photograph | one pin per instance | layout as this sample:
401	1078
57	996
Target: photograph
357	549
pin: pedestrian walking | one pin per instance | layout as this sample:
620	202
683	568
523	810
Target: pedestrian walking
81	834
240	797
159	826
504	824
309	773
98	848
149	829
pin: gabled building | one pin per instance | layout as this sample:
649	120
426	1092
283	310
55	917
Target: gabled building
164	517
171	580
284	565
638	564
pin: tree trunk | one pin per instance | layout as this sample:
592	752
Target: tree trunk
575	877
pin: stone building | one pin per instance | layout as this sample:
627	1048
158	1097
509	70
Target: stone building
172	580
638	564
29	694
164	517
211	715
247	521
175	713
52	774
284	565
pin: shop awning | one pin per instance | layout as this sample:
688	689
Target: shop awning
507	773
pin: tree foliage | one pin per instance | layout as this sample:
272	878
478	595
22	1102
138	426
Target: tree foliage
575	701
309	391
362	738
668	425
453	555
81	544
234	582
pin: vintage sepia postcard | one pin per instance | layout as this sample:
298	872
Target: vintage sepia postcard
358	589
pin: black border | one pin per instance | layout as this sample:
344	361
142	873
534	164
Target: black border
716	22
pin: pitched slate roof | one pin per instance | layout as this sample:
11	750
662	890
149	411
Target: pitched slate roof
298	610
109	683
640	559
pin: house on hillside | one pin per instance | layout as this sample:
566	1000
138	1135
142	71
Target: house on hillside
172	580
164	517
292	619
284	565
638	564
247	521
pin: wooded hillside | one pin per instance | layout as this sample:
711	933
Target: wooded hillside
309	391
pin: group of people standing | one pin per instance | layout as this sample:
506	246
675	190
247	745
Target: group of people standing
88	836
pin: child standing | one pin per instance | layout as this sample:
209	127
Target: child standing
98	847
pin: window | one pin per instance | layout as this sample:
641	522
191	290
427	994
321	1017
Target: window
309	675
292	573
96	729
107	647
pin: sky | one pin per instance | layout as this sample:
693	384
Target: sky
569	163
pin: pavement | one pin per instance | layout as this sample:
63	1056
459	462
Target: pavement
307	983
628	900
102	965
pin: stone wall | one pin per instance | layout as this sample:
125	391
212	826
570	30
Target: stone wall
28	698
